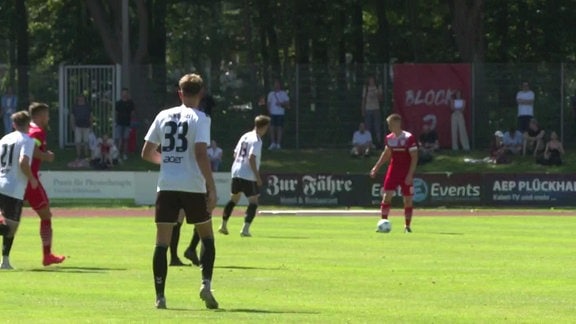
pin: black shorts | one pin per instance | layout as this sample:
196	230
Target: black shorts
11	207
249	188
277	120
169	203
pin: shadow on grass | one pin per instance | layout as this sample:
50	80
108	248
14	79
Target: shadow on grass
287	237
448	233
263	311
77	269
232	267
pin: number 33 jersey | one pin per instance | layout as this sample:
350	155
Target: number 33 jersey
177	130
249	144
13	147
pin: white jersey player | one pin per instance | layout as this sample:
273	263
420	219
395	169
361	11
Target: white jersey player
246	174
16	151
185	182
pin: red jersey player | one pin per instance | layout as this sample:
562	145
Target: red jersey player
402	151
37	198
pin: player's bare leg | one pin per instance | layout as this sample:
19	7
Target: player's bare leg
408	203
250	214
207	258
234	198
9	230
174	259
46	235
160	262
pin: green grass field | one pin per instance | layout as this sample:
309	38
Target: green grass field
305	270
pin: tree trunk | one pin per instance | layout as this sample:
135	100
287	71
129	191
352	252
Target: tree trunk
157	49
357	33
22	48
382	43
468	29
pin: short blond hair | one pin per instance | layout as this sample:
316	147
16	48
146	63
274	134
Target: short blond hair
191	84
20	119
394	118
261	121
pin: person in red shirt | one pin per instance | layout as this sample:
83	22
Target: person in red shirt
401	149
36	197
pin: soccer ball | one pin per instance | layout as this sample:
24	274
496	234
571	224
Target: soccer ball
384	226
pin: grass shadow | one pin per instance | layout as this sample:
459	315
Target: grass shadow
263	311
77	269
232	267
287	237
448	233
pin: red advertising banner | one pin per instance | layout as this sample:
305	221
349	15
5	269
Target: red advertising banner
423	93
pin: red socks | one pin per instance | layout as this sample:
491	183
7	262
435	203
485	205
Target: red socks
407	216
46	235
384	210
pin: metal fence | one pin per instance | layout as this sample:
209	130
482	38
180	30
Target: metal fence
326	100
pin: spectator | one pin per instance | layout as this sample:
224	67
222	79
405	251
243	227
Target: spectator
427	144
459	123
82	120
124	114
497	152
553	151
533	138
104	152
215	155
512	141
277	102
372	95
361	142
9	106
525	100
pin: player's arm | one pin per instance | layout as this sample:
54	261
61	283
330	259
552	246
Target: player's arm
203	161
47	156
150	153
413	163
384	157
255	169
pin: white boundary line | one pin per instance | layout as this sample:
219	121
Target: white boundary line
318	212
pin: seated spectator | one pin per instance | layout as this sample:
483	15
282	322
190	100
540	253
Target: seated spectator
497	151
533	138
361	142
427	144
512	141
104	152
553	151
215	155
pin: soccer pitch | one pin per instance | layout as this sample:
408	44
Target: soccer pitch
308	269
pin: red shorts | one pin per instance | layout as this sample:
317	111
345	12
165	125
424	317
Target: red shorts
37	198
392	183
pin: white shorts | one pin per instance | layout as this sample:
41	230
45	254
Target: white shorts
81	135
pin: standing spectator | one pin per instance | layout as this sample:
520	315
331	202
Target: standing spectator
458	104
372	95
215	155
361	141
277	102
428	144
124	114
82	119
512	141
525	99
533	138
553	151
9	105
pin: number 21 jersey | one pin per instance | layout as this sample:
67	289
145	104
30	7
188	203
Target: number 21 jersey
249	144
177	130
12	180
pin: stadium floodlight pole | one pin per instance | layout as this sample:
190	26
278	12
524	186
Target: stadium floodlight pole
125	45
